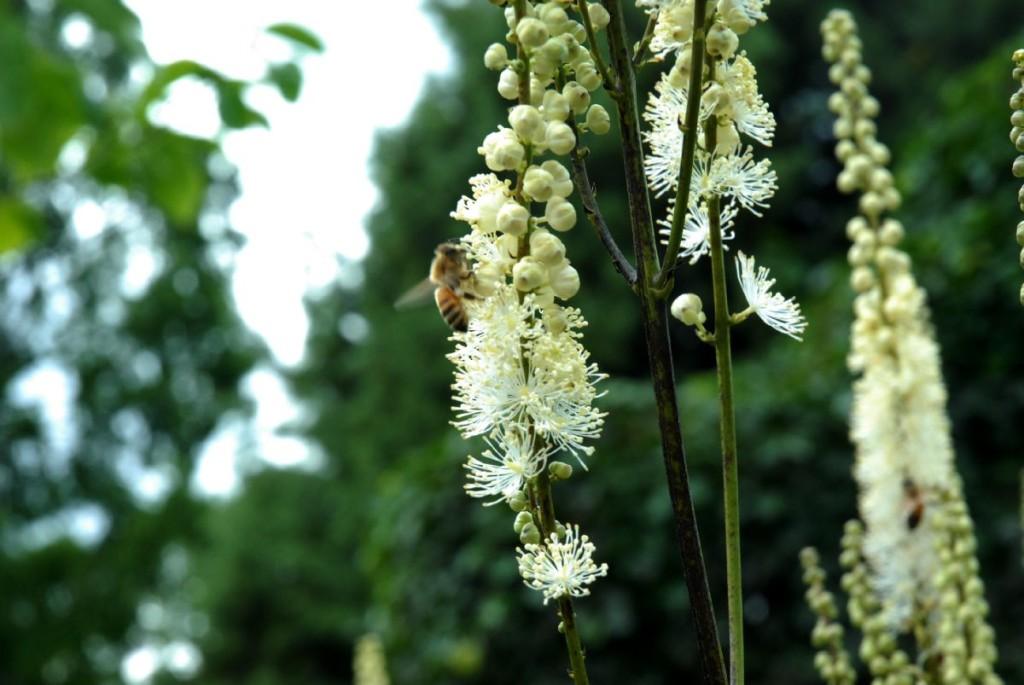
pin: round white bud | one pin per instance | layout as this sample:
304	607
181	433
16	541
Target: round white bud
560	214
502	150
546	247
555	106
513	218
722	41
555	319
588	76
688	309
532	33
554	18
862	279
577	96
599	17
561	183
487	212
508	84
527	122
565	281
537	184
496	56
559	137
555	50
528	274
891	232
598	120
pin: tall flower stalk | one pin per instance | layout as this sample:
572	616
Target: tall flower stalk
910	560
523	380
1017	138
697	118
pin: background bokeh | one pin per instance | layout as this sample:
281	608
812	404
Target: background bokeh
113	384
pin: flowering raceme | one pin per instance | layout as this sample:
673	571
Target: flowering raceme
731	103
524	381
910	565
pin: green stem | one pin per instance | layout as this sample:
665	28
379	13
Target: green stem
682	201
611	83
543	504
659	352
545	513
730	467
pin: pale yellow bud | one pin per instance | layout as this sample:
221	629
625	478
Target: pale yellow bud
599	16
577	96
496	57
555	106
513	218
508	84
559	137
565	281
722	41
537	184
598	120
546	247
528	274
561	182
560	214
527	122
688	308
532	33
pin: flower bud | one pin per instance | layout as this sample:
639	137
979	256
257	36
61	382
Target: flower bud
532	33
722	41
598	120
537	184
496	56
588	76
529	535
523	519
555	106
727	138
891	232
565	281
546	247
561	183
559	470
527	122
559	137
688	308
518	502
502	150
599	16
513	218
508	84
560	213
528	274
554	18
577	96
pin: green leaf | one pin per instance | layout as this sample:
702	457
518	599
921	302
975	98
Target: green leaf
19	224
288	79
297	34
234	111
167	75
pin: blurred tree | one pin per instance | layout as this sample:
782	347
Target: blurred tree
120	350
291	572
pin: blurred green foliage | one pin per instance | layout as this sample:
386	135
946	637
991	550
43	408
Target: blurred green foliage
278	584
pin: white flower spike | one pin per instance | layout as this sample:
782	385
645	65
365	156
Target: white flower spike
778	312
561	568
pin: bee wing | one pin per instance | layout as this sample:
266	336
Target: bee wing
421	293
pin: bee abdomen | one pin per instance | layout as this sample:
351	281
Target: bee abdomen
450	306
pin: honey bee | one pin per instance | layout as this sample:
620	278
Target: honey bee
451	281
914	503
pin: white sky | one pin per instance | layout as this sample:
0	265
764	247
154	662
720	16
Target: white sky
304	181
304	184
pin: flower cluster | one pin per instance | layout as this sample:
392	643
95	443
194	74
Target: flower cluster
899	426
1017	138
523	379
723	166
